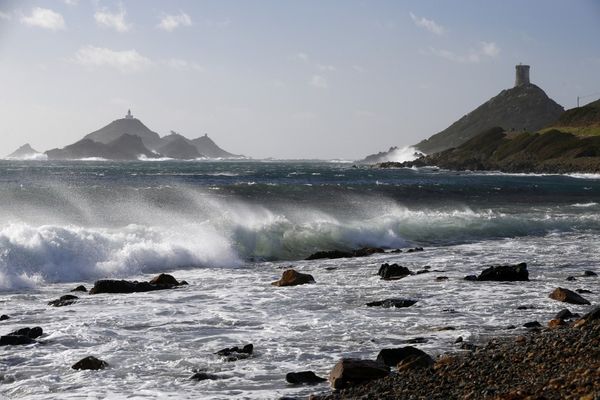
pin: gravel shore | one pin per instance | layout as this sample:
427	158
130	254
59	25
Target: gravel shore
562	363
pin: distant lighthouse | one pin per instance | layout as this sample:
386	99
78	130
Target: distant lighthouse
522	75
129	116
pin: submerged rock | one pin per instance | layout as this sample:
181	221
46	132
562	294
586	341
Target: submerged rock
583	291
532	324
235	353
392	357
510	273
292	277
332	254
589	273
413	250
350	372
65	300
567	296
388	303
32	333
203	376
4	317
14	340
307	377
393	271
161	282
565	314
80	288
90	363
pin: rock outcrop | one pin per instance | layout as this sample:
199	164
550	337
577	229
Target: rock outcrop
291	277
350	372
567	296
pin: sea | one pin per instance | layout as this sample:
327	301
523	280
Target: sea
230	228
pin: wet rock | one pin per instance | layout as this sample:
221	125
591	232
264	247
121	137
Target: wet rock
307	377
203	376
32	333
589	273
4	317
14	340
90	363
583	291
503	273
571	278
416	340
509	327
393	271
567	296
80	288
183	283
470	278
422	271
392	357
235	353
388	303
413	250
444	328
532	324
367	251
332	254
65	300
396	251
122	286
565	314
441	278
292	277
459	339
350	372
556	322
164	279
525	307
592	315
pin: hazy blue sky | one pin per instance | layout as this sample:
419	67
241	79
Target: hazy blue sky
296	79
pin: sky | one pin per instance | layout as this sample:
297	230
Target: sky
284	79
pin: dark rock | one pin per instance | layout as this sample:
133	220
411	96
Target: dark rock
394	271
565	314
391	357
91	363
4	317
164	279
183	283
330	268
203	376
444	328
80	288
14	340
332	254
292	277
567	296
416	340
396	251
459	339
307	377
583	291
441	278
511	327
414	250
470	278
422	271
388	303
122	286
532	324
367	251
350	372
65	300
592	315
235	353
502	273
32	333
571	278
525	307
589	273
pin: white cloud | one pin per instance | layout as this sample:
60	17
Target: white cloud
171	22
428	24
5	16
116	21
486	49
44	18
124	61
183	65
319	82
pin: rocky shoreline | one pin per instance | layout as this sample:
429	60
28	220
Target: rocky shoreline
560	363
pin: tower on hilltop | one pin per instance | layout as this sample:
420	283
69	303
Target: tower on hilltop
129	116
522	75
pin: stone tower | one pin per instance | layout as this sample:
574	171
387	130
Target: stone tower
522	75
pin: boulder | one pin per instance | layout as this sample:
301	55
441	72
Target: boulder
32	333
393	271
592	315
367	251
65	300
203	376
571	278
350	372
14	340
307	377
414	250
532	324
583	291
80	288
556	322
164	279
441	278
565	314
235	353
567	296
292	277
4	317
389	303
392	357
503	273
91	363
589	273
319	255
